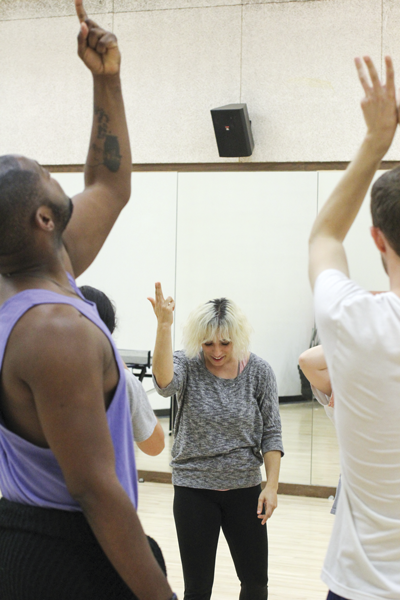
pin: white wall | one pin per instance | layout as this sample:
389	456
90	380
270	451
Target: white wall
240	235
291	61
139	251
244	236
364	260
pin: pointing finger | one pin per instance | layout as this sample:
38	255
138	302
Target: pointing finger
82	37
80	11
159	294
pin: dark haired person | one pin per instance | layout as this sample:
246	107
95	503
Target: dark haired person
147	431
68	524
360	334
105	307
228	422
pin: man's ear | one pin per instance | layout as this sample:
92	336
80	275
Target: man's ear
379	239
44	218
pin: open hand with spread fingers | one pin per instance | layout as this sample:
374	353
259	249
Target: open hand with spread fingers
163	307
379	105
97	47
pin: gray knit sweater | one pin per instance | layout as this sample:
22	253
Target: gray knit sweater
223	426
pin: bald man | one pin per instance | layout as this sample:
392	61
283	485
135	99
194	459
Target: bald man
68	522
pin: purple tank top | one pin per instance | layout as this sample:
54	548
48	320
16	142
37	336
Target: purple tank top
30	474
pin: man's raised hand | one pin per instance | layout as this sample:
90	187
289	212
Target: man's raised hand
97	48
379	104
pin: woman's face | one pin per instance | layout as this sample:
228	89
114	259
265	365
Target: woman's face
218	353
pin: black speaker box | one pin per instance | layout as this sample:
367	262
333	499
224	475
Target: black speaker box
233	130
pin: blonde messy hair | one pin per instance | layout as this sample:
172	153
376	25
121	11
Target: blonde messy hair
219	319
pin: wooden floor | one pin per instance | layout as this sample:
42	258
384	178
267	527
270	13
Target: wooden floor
298	534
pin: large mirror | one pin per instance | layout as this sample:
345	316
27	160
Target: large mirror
236	234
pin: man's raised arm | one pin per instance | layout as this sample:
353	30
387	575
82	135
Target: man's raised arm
108	164
337	215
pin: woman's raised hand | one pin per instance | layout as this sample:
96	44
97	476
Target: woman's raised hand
163	307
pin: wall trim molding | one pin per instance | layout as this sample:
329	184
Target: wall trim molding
289	489
231	166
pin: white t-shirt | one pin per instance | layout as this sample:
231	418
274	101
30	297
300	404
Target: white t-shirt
143	417
360	334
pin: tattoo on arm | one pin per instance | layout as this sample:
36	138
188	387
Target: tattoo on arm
105	153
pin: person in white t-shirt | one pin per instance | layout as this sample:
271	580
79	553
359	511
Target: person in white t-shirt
147	430
360	334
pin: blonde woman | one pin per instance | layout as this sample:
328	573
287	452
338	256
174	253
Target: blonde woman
227	423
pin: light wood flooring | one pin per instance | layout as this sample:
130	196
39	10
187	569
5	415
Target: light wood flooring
298	533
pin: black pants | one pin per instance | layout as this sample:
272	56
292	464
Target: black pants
332	596
48	554
199	515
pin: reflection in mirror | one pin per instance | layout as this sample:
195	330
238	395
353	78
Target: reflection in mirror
296	433
325	468
297	441
159	463
309	439
276	202
311	449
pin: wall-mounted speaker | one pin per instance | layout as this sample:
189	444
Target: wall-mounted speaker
233	130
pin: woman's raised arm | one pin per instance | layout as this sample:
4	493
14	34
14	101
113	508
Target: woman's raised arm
163	366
